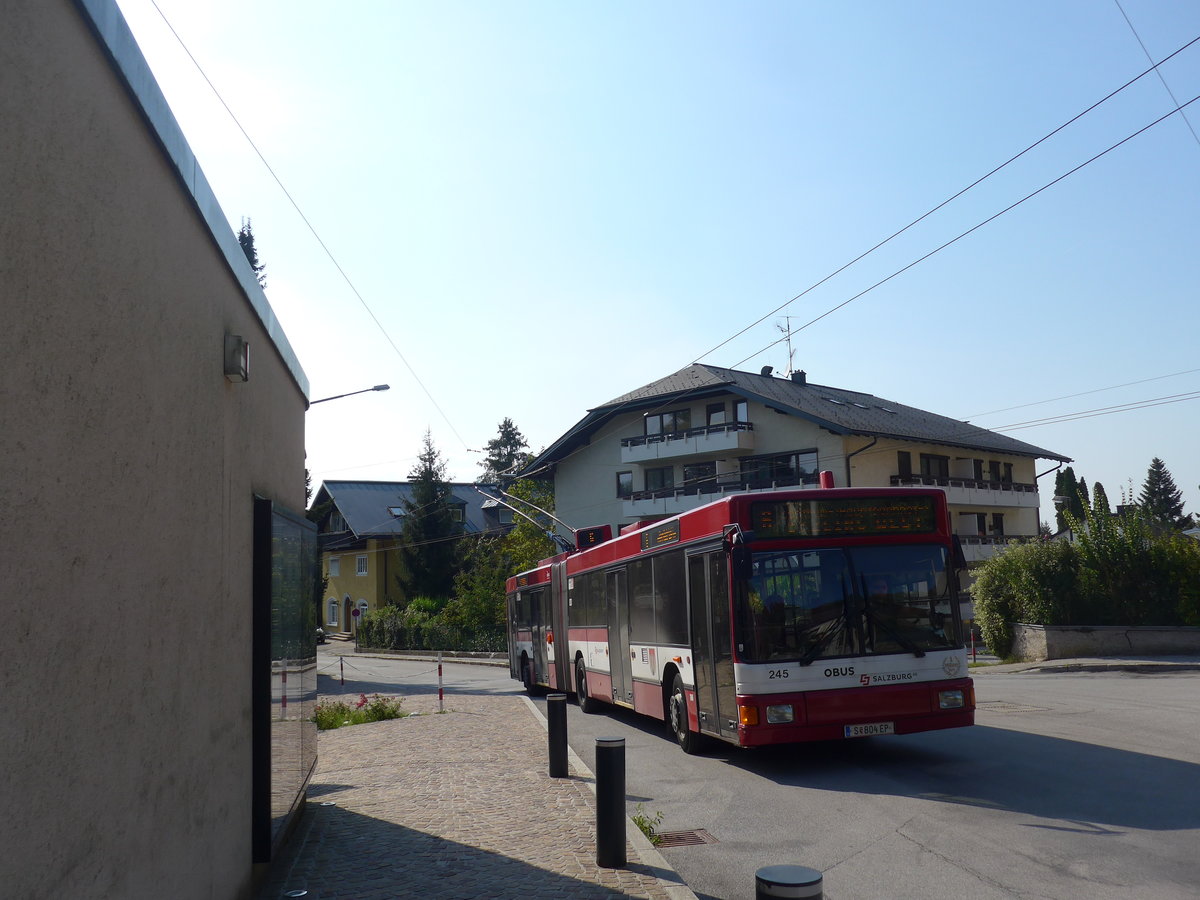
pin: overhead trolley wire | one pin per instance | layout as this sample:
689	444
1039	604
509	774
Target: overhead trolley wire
979	225
311	228
939	206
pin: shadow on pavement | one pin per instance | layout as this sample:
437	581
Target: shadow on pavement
336	853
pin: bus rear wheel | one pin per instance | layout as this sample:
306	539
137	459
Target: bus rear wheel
586	704
677	717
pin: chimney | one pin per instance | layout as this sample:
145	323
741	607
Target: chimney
800	377
766	371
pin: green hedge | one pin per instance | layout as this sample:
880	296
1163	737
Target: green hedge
1122	570
392	628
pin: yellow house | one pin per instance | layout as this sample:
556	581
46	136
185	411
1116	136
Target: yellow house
359	525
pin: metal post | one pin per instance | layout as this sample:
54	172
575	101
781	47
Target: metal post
610	803
441	706
556	715
788	881
342	668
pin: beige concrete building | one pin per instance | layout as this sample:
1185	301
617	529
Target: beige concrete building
144	473
685	439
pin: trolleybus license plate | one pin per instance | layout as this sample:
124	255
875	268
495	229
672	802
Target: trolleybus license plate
870	729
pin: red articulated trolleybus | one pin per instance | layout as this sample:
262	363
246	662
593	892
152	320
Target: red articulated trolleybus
762	618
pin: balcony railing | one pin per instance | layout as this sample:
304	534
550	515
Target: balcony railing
644	439
724	485
973	483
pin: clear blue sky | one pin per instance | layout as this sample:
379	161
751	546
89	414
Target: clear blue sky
548	204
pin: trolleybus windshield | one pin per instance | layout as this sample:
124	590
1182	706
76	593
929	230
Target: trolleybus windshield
813	604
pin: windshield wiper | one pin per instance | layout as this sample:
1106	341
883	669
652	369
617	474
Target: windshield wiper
902	641
822	641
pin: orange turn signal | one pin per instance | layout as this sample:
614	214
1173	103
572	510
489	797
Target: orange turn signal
748	715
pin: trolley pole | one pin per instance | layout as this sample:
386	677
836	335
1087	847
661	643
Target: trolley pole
610	803
556	717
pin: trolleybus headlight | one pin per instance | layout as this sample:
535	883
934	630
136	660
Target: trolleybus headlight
777	715
951	700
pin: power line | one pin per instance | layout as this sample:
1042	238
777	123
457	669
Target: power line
979	225
1170	93
1082	393
948	200
308	224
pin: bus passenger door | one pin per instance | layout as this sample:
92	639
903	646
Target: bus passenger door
539	614
618	637
712	654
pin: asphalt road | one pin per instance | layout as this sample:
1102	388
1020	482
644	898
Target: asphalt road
1071	787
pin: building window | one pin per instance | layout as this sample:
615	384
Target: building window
456	514
904	464
715	414
335	566
935	466
337	522
360	565
505	516
396	511
332	617
700	478
998	524
741	411
781	469
624	485
1007	476
668	422
660	479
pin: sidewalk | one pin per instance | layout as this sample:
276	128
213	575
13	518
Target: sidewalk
1142	665
455	805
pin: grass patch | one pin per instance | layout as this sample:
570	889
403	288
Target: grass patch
647	825
337	713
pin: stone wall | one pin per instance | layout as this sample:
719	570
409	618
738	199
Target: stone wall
1037	642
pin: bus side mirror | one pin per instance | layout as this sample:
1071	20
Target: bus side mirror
739	558
960	559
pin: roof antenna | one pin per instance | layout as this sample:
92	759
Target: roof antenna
786	328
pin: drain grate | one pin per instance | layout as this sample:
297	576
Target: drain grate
685	838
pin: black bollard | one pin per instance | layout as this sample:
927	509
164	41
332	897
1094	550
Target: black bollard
556	716
610	803
788	881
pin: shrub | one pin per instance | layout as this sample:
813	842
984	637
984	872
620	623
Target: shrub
1036	582
336	713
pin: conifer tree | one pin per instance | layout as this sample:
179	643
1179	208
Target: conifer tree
246	239
429	534
504	453
1160	498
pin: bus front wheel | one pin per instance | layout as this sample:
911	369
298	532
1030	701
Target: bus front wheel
677	717
586	704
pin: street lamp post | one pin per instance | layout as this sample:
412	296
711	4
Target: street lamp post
378	387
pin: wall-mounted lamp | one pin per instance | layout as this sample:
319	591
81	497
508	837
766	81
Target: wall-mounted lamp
237	358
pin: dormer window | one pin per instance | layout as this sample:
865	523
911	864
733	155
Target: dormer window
396	511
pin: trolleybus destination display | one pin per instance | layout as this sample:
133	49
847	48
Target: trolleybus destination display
844	517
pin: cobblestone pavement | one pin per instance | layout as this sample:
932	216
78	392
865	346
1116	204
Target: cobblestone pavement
456	805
